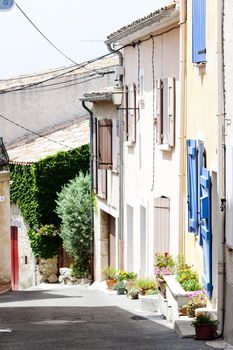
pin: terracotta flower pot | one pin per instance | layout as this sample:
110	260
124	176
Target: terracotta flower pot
205	331
110	283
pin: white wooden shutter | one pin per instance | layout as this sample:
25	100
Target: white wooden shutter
159	111
132	114
171	111
102	183
126	113
161	225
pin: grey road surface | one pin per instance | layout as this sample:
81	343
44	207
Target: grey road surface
75	318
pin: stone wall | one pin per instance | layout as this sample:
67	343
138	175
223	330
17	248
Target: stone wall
48	270
5	240
27	267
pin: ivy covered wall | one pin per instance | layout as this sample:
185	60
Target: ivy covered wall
34	189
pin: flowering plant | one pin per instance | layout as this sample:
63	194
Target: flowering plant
198	297
203	318
163	271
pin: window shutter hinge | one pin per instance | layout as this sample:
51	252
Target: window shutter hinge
223	204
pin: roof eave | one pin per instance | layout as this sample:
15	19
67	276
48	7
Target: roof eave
158	23
96	97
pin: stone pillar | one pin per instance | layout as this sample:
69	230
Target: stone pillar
5	238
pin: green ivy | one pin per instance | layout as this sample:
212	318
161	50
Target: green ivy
34	189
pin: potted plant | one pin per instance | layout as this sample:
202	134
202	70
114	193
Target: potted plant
164	265
133	293
145	284
120	287
110	273
198	299
205	326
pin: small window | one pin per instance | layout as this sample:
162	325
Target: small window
165	112
198	31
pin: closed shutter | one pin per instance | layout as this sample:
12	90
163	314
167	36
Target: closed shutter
126	114
159	111
115	144
171	111
132	114
198	31
161	225
105	144
201	164
192	186
102	183
205	229
95	173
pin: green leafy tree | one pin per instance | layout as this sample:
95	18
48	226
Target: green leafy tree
73	208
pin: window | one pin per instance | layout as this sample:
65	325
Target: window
198	31
165	112
130	114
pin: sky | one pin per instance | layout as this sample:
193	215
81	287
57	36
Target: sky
78	28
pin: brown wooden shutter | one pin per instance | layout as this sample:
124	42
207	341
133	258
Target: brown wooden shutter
126	114
159	110
105	144
171	111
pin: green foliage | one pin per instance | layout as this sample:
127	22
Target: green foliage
188	280
110	272
151	292
203	318
119	285
125	276
73	208
146	284
164	260
44	246
34	189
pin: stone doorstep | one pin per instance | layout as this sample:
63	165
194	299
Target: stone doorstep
183	327
5	287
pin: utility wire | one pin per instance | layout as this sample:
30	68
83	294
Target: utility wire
45	37
49	41
34	132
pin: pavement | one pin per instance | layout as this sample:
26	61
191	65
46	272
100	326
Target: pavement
74	317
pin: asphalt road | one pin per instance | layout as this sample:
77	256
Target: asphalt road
73	318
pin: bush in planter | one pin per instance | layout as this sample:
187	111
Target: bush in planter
119	287
197	299
110	273
133	293
146	284
151	292
205	326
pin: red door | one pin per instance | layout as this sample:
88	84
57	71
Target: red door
14	258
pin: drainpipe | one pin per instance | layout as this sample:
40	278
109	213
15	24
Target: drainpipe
182	125
221	165
119	84
91	189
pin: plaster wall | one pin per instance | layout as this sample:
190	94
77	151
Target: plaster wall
138	159
26	258
5	238
201	107
228	61
42	109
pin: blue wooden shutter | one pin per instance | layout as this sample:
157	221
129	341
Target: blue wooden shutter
192	186
198	31
201	149
205	229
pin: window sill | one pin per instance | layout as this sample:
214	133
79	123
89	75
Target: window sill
166	147
130	143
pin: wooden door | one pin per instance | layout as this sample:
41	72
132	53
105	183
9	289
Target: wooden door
112	241
14	258
162	225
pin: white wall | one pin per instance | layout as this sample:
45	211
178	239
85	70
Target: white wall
138	159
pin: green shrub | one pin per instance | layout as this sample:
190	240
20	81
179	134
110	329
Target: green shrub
73	208
146	284
110	272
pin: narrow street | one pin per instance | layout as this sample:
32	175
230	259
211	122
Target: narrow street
74	317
